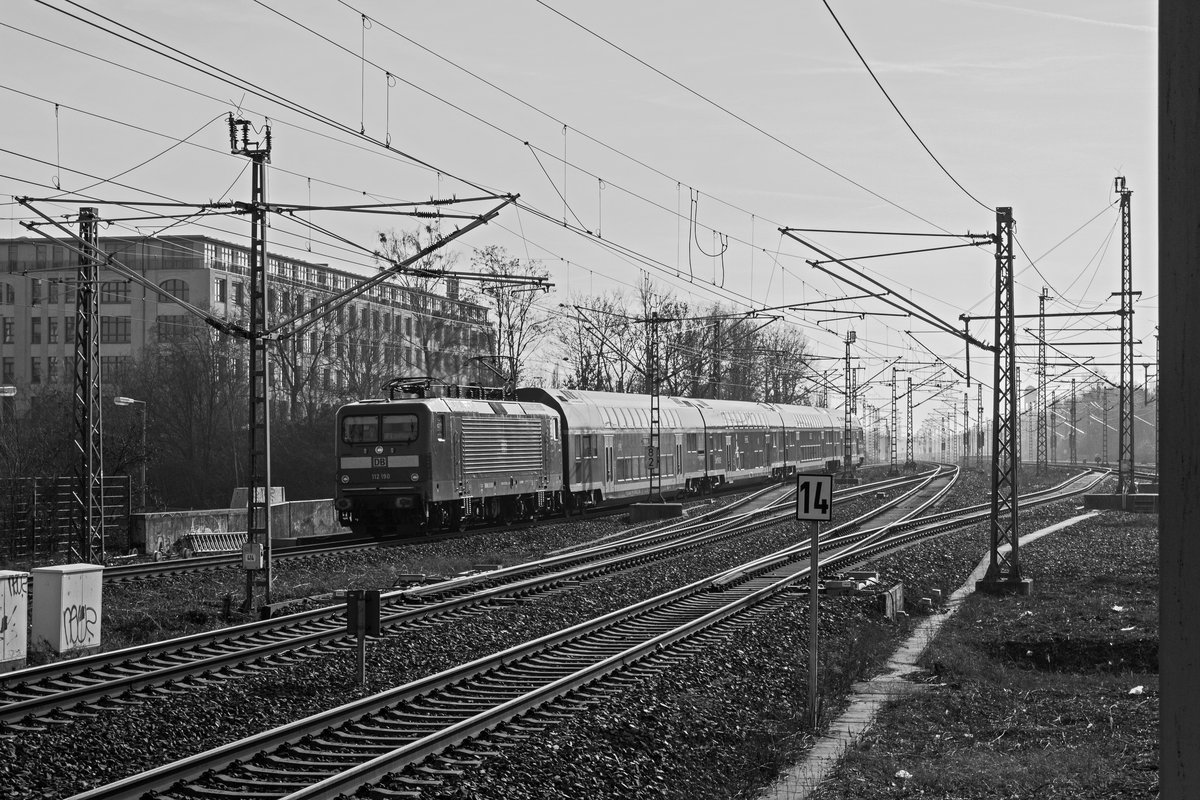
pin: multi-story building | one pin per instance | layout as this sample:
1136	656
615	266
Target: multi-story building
393	330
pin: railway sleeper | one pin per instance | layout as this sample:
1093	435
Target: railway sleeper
239	792
329	761
346	738
460	762
457	773
314	774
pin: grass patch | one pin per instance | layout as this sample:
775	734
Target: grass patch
1054	695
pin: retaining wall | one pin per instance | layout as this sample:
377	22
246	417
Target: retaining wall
163	531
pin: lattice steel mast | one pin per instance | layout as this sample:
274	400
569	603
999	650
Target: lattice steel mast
847	433
1041	382
1125	479
895	431
654	454
256	554
1004	568
1074	422
88	520
909	461
979	424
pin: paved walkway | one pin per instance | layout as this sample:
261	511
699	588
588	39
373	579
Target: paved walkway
868	696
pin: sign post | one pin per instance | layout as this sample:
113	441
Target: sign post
814	502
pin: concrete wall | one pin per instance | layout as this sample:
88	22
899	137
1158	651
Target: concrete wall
163	531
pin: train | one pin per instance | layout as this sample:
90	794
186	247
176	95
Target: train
444	458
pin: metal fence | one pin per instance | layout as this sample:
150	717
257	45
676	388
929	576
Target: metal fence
36	516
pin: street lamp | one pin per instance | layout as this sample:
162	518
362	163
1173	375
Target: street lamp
129	401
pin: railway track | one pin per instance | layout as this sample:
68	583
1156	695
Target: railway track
145	570
413	736
87	686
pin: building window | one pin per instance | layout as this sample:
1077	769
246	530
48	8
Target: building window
219	290
69	327
52	292
35	370
112	368
52	373
114	330
173	327
52	330
312	342
8	369
35	330
239	293
176	288
35	291
6	294
114	292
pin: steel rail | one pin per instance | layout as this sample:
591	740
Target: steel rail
40	691
352	749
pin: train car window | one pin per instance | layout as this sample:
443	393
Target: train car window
399	428
554	428
359	429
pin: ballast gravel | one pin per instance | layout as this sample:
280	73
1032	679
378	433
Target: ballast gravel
719	724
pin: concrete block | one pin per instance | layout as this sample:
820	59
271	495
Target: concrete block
240	494
14	606
66	606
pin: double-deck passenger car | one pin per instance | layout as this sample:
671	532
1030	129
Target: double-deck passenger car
446	461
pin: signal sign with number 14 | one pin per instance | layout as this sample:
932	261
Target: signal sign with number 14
814	497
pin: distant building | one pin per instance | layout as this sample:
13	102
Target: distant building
391	331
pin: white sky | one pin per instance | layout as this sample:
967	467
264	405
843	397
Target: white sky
1026	107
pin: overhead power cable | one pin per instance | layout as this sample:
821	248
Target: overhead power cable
891	102
738	117
213	71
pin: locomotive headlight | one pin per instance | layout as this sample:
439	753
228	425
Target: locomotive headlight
345	478
378	449
416	476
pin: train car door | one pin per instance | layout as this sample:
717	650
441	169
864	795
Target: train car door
608	460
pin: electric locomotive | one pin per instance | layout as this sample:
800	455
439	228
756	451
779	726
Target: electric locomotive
444	462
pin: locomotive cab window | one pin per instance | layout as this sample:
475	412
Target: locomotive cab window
360	429
441	426
400	428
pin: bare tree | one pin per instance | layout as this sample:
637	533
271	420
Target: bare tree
521	320
440	341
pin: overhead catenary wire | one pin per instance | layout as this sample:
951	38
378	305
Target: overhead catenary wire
896	108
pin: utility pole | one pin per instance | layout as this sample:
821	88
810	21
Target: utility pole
1125	479
1041	384
1004	567
256	553
88	519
